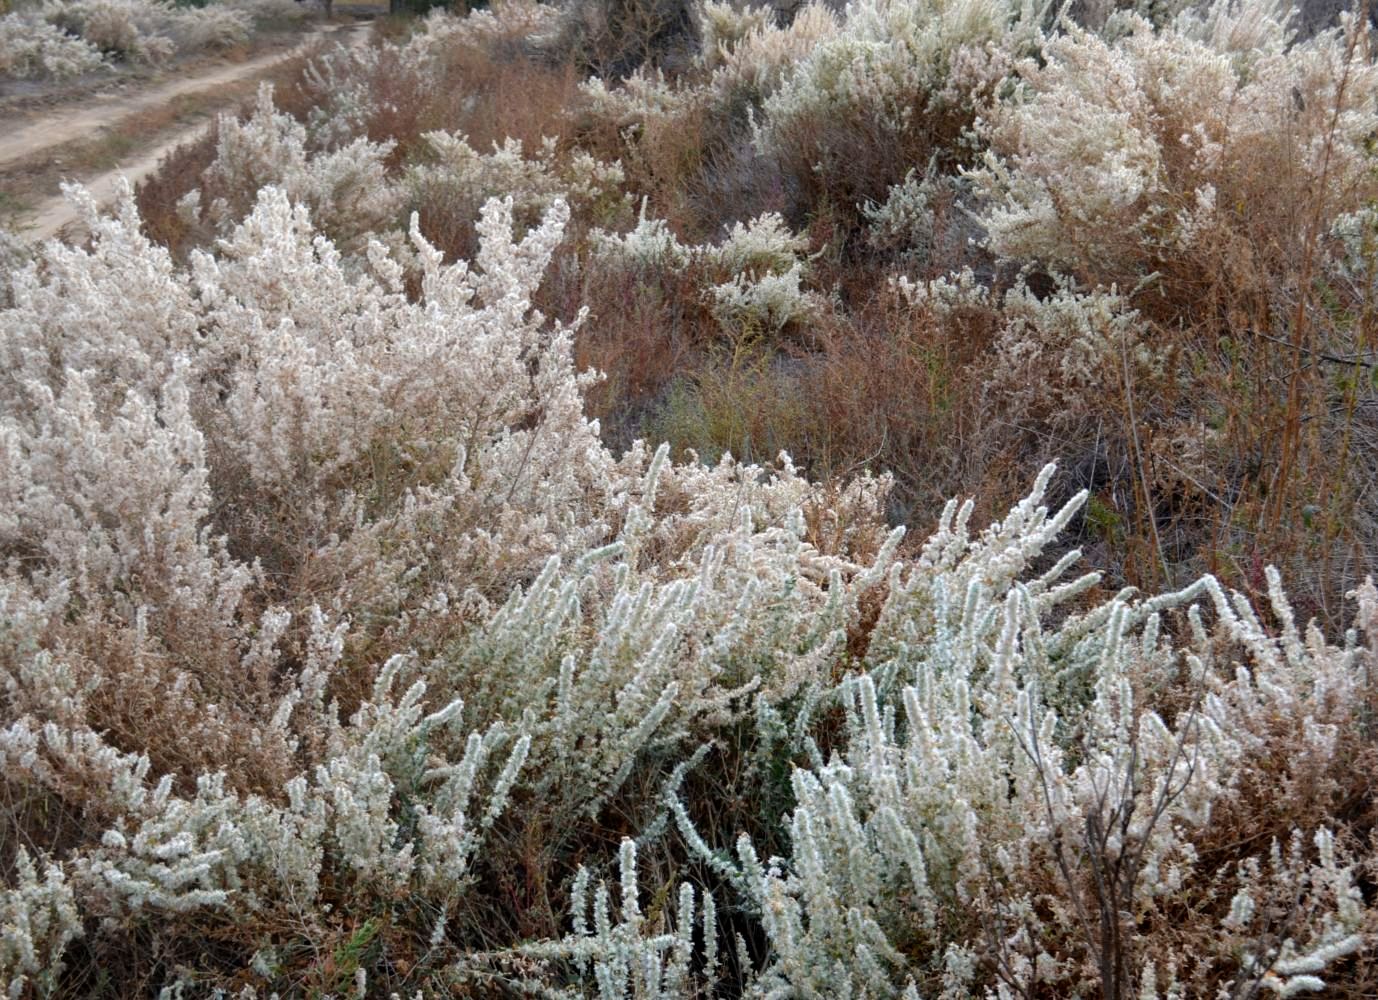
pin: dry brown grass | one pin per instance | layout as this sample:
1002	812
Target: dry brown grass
835	163
179	172
535	99
612	38
643	331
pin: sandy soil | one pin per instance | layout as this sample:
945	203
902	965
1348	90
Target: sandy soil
29	141
56	214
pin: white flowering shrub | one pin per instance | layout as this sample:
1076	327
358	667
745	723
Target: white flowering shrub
844	105
636	956
894	62
443	600
356	87
506	23
137	554
1201	171
1012	799
946	296
751	61
340	81
765	244
38	918
33	48
641	96
744	57
1115	158
649	245
768	303
436	435
345	188
751	280
723	26
58	39
215	26
146	31
1067	352
904	220
375	392
123	28
462	178
892	87
764	293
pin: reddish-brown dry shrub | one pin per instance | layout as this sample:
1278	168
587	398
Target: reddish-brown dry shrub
180	171
644	329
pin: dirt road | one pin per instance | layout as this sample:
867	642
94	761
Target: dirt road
55	214
28	143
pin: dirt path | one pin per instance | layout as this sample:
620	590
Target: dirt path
50	216
55	214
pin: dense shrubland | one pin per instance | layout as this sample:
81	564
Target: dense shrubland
59	39
358	637
1154	237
